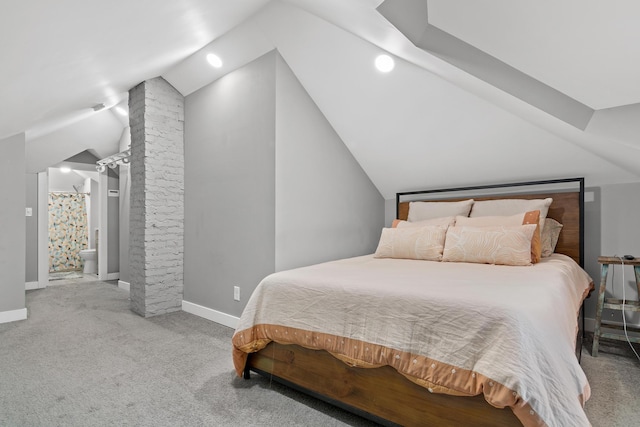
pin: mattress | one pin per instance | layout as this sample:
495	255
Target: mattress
505	332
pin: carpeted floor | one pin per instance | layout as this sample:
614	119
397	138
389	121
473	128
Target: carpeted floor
82	358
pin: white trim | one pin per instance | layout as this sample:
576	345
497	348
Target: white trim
103	233
210	314
13	315
124	285
29	286
43	229
113	276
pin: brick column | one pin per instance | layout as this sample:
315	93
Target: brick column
156	245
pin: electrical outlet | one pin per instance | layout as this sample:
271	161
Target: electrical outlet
236	293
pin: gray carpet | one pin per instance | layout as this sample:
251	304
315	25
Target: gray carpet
82	358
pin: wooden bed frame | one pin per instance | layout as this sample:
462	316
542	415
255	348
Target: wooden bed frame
382	394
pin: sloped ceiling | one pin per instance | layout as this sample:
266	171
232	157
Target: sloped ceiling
433	121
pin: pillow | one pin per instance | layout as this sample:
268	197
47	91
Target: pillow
412	243
445	221
505	245
419	211
511	207
550	235
532	217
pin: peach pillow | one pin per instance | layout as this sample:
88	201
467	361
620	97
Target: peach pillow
419	211
505	245
444	221
532	217
426	243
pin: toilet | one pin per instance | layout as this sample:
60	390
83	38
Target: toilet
90	258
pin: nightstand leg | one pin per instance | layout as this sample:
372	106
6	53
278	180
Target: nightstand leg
599	306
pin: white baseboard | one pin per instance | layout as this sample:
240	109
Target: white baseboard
13	315
113	276
124	285
210	314
28	286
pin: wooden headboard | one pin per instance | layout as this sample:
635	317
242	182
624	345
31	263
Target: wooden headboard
567	207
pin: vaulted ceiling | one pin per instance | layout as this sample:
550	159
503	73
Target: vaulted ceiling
482	91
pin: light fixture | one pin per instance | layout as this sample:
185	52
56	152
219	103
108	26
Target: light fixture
385	63
121	111
65	169
214	60
113	161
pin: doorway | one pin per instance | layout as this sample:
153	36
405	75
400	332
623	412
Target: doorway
100	222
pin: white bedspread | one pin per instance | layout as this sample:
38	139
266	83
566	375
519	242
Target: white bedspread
458	328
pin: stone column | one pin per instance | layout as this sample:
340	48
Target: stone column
156	246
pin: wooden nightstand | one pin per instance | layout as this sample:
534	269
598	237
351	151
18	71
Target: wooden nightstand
614	304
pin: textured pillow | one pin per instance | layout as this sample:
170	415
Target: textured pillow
532	217
550	235
445	221
419	211
412	243
503	207
506	245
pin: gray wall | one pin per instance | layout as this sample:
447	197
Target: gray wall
612	229
230	186
12	218
31	255
268	185
326	206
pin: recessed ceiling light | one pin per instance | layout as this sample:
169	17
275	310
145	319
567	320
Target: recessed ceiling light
214	60
65	169
385	63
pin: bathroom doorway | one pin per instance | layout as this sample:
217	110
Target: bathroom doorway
73	219
101	198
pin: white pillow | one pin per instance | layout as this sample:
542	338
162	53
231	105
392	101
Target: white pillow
419	211
502	207
505	245
426	243
532	217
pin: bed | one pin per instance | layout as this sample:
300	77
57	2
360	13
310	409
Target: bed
429	342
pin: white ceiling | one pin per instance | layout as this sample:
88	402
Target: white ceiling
59	59
586	49
408	129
